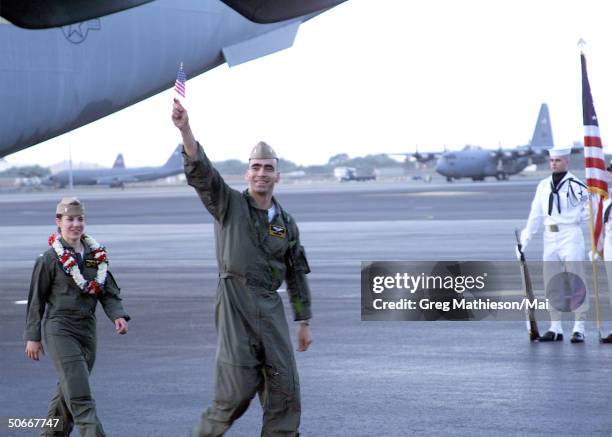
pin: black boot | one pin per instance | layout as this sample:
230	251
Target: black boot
551	336
607	339
577	337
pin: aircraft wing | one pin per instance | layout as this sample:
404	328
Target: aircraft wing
535	155
271	11
44	14
418	156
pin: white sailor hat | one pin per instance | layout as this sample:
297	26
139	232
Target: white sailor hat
556	152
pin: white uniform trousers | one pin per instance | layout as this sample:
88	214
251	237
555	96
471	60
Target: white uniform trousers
564	252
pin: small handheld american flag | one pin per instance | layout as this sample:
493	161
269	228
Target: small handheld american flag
181	78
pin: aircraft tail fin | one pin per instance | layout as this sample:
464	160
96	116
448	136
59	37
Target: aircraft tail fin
119	163
176	159
542	134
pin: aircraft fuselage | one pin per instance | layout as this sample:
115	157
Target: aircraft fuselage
57	79
478	164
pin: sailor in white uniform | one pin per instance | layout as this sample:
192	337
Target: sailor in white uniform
561	204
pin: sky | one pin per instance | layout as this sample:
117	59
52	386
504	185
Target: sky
379	76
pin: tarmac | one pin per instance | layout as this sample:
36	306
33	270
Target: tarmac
358	378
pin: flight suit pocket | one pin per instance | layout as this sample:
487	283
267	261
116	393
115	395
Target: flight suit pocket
90	268
278	246
280	390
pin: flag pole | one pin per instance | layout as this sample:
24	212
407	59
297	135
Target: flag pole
594	267
586	121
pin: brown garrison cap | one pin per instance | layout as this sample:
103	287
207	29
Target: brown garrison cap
263	151
70	206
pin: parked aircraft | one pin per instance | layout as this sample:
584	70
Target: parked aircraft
477	163
118	176
81	64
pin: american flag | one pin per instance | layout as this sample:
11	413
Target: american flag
594	160
179	85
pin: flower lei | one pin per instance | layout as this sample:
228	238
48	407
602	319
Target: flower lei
70	266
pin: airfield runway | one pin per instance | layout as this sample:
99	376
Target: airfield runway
358	378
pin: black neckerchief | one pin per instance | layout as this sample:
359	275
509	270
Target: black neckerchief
556	184
558	177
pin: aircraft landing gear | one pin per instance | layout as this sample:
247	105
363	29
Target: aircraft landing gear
501	176
449	179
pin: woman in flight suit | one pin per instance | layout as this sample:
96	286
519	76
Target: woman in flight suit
68	281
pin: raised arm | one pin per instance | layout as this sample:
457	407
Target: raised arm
201	175
180	118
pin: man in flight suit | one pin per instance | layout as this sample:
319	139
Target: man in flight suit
258	246
561	204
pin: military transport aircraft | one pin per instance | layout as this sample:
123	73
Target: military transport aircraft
64	64
117	176
477	163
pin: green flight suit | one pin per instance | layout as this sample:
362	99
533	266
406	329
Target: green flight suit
70	335
254	351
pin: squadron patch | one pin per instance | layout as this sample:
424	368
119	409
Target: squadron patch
277	231
91	263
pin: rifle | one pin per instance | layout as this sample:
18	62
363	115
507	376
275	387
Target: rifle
534	334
